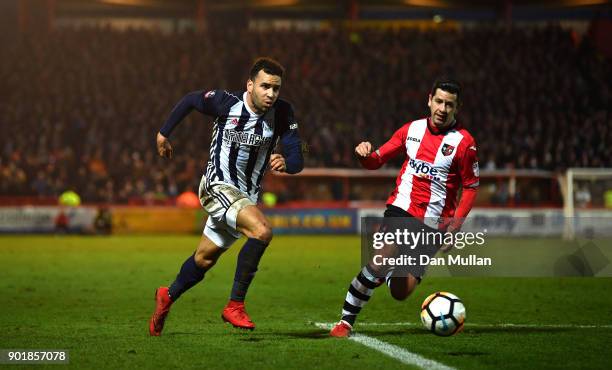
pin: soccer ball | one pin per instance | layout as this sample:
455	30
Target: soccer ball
443	314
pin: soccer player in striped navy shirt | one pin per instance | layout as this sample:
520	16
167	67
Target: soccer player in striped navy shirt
246	130
441	158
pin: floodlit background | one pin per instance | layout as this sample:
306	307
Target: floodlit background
86	85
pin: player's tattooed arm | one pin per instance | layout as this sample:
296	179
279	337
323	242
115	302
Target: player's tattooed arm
164	148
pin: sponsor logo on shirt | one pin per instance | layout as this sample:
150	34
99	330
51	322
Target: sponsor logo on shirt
410	138
293	126
245	138
424	170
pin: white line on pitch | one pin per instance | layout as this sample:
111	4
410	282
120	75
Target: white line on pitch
499	325
395	352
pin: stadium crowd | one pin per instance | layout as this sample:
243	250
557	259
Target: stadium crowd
80	108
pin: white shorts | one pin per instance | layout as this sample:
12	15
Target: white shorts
222	202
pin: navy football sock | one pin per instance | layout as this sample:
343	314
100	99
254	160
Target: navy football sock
190	275
248	260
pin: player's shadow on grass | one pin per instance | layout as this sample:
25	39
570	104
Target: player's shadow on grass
251	339
393	333
468	354
517	330
181	333
306	334
467	331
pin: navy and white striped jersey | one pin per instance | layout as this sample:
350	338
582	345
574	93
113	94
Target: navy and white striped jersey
242	140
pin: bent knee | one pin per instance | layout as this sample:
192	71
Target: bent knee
401	288
400	295
262	232
204	262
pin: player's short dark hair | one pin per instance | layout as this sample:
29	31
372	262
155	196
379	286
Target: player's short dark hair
268	65
447	84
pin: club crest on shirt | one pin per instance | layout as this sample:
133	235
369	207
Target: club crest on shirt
209	94
447	149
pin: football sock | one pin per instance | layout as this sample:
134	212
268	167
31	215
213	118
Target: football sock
248	260
359	292
190	275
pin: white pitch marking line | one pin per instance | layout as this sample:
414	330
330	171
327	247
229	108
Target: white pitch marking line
500	325
398	353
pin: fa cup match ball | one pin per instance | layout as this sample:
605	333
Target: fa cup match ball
443	314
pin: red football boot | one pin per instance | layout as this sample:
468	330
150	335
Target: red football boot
341	330
235	314
162	308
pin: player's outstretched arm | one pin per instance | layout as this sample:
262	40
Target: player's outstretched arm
191	101
367	158
364	149
164	148
373	160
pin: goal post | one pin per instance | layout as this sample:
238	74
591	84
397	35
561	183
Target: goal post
584	189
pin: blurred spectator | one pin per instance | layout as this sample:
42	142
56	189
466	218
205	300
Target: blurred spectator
188	199
61	222
80	108
103	223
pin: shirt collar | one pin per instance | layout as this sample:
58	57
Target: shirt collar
436	131
248	108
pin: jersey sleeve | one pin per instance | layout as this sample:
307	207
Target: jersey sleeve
468	166
290	140
211	103
215	102
388	150
469	172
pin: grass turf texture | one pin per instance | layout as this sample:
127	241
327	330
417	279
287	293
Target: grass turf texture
94	296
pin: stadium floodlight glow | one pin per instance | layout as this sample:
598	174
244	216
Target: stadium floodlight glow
429	3
264	3
581	2
130	2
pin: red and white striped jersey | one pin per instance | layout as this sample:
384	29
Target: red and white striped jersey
437	164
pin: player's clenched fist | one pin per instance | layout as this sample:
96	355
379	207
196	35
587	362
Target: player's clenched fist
163	146
363	149
277	162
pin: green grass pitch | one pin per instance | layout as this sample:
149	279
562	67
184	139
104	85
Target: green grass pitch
94	295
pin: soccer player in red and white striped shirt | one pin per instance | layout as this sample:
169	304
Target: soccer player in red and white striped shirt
441	159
